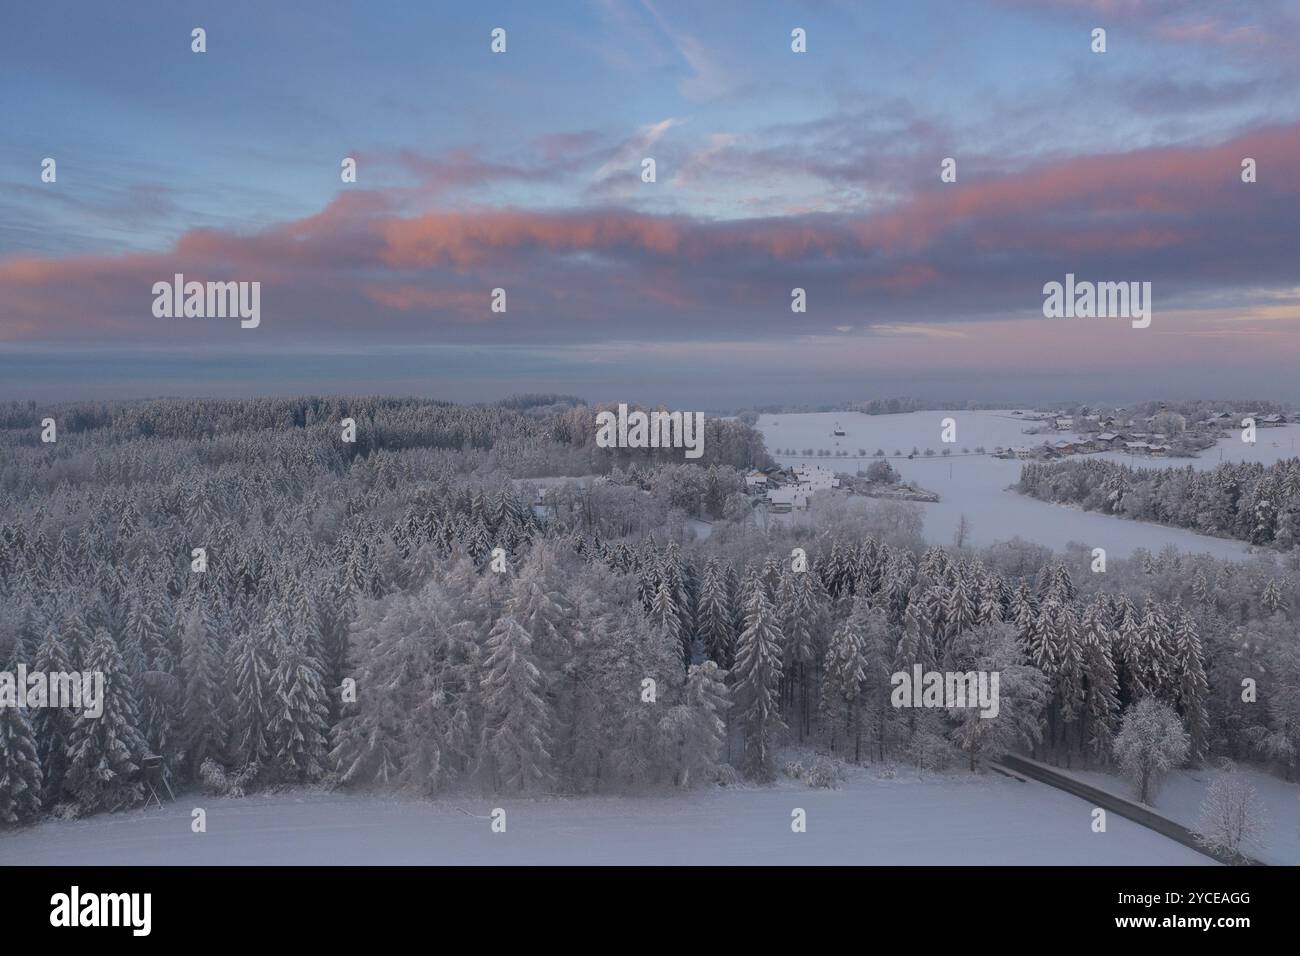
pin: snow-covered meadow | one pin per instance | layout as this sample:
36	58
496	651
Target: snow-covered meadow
1182	792
951	818
977	485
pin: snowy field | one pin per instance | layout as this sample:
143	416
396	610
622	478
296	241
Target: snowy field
976	485
955	818
1181	794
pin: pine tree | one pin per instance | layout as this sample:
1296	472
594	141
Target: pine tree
845	671
1069	672
757	682
1193	688
694	731
716	617
961	612
1155	641
1101	684
1129	642
667	616
801	620
517	730
298	718
913	648
20	764
250	680
106	752
52	725
203	730
1271	599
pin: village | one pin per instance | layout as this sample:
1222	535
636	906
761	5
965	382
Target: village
1155	436
783	490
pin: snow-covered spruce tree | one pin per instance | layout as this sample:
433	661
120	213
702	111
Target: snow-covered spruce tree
1271	598
1069	679
106	753
913	647
203	731
1192	687
694	732
667	616
1129	660
1155	639
845	669
757	682
52	725
250	679
417	689
799	627
20	765
298	718
77	638
1151	741
517	729
716	616
540	606
1022	695
1279	738
960	610
1100	713
880	719
1232	818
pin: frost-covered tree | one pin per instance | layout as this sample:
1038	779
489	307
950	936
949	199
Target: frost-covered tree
1191	685
106	752
694	731
517	732
203	729
250	684
845	668
52	726
802	620
757	682
1021	696
20	765
716	617
1100	713
1151	741
1232	818
298	718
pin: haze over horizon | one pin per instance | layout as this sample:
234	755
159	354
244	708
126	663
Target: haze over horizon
775	170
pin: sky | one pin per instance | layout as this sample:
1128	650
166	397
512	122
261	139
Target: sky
774	170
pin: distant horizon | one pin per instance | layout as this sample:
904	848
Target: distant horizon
688	206
647	397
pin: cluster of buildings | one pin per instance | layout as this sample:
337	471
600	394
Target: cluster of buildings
1227	420
1132	436
1130	443
788	489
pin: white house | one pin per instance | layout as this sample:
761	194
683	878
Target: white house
815	478
788	498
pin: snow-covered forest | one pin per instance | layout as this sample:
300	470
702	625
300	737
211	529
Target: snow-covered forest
1246	500
354	623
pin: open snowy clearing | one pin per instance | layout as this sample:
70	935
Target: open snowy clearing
953	818
1181	793
976	485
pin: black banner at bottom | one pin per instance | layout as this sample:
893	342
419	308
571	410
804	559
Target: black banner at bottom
335	905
